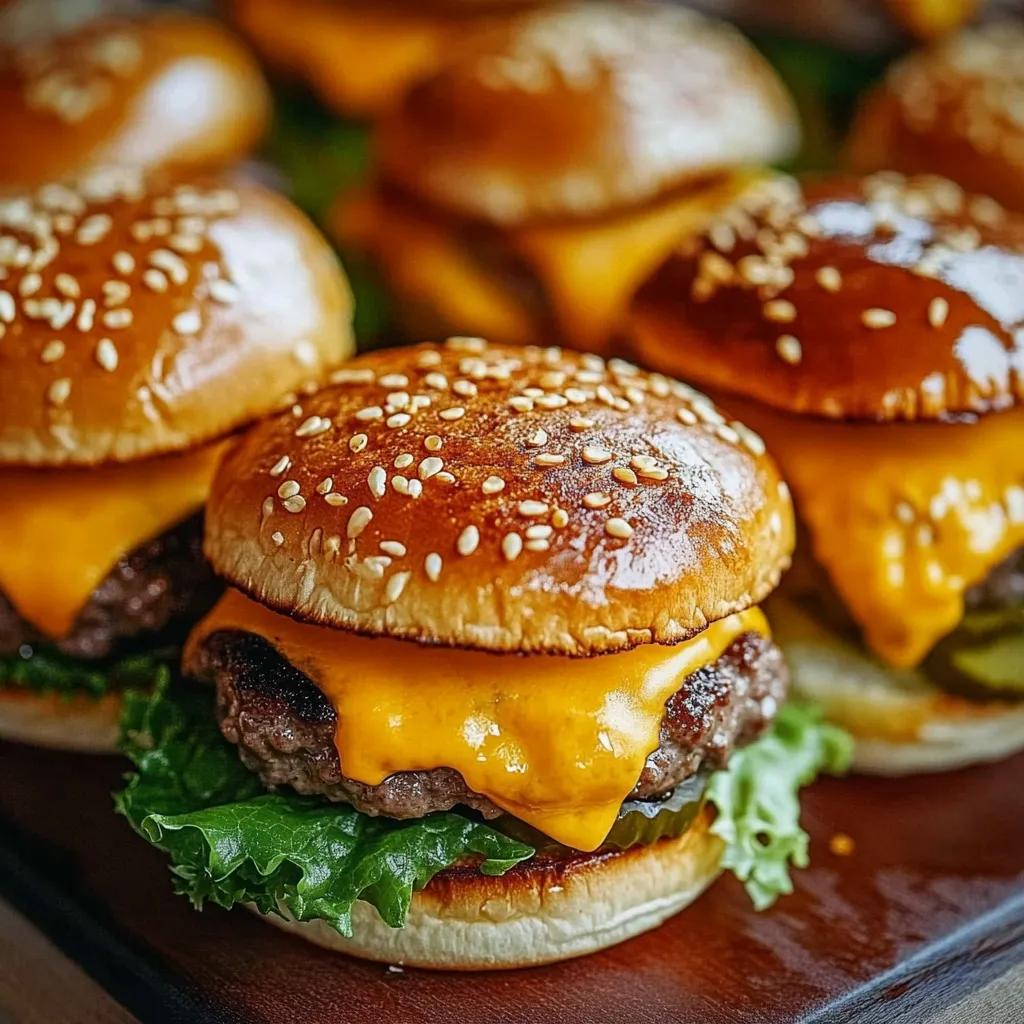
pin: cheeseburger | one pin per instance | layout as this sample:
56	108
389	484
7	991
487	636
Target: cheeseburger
876	325
954	107
141	321
491	625
164	89
525	190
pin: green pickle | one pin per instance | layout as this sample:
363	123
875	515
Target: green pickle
639	821
983	657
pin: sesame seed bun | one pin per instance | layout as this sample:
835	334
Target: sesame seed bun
145	315
954	107
877	298
504	499
164	89
901	722
83	724
579	109
539	912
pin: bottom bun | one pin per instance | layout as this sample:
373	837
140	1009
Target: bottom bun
542	911
83	724
901	721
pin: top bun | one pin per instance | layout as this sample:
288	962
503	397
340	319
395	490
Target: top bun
502	498
954	107
169	88
583	108
141	315
877	298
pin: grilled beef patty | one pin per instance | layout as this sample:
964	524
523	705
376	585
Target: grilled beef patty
164	583
284	726
1002	589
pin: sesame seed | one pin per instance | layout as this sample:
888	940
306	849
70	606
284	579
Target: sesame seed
171	264
106	354
185	243
477	346
325	486
435	380
551	401
511	546
400	484
399	419
532	508
375	565
595	499
547	459
753	441
267	508
52	351
416	488
469	541
349	376
312	425
559	518
493	485
596	456
8	308
465	388
188	322
432	443
580	423
540	531
358	521
878	318
938	310
335	499
576	396
779	311
396	584
393	380
618	528
521	403
432	565
789	349
377	481
393	548
456	412
537	439
59	391
829	278
277	537
624	476
30	284
686	416
371	412
431	357
397	400
357	442
67	285
280	466
124	262
404	460
155	280
288	489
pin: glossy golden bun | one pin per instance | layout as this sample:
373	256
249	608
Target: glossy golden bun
165	89
143	315
501	498
953	108
584	108
83	724
539	912
878	298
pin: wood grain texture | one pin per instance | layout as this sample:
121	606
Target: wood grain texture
926	910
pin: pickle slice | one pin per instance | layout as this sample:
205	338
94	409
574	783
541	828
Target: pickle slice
983	657
639	821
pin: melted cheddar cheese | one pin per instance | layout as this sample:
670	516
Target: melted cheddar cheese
903	517
557	742
63	530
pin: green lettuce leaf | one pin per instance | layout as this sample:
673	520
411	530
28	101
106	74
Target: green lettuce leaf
52	672
757	799
231	842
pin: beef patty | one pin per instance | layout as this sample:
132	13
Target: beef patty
1002	589
164	583
284	726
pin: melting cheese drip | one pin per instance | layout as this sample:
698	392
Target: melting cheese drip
904	517
558	742
63	530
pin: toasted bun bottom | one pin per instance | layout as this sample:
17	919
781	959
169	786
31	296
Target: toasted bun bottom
81	724
539	912
902	723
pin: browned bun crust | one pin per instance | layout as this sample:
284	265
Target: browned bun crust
878	298
506	548
165	89
154	314
81	723
541	911
953	108
544	118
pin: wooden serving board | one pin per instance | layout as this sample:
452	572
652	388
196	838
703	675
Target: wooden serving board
926	913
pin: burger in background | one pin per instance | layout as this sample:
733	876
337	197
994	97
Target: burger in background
491	661
142	319
526	189
164	89
956	107
876	324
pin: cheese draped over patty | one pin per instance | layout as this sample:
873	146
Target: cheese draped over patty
557	742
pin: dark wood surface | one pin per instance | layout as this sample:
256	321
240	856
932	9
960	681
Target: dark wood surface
925	918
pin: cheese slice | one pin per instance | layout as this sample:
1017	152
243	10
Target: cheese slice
557	742
903	517
63	530
591	270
